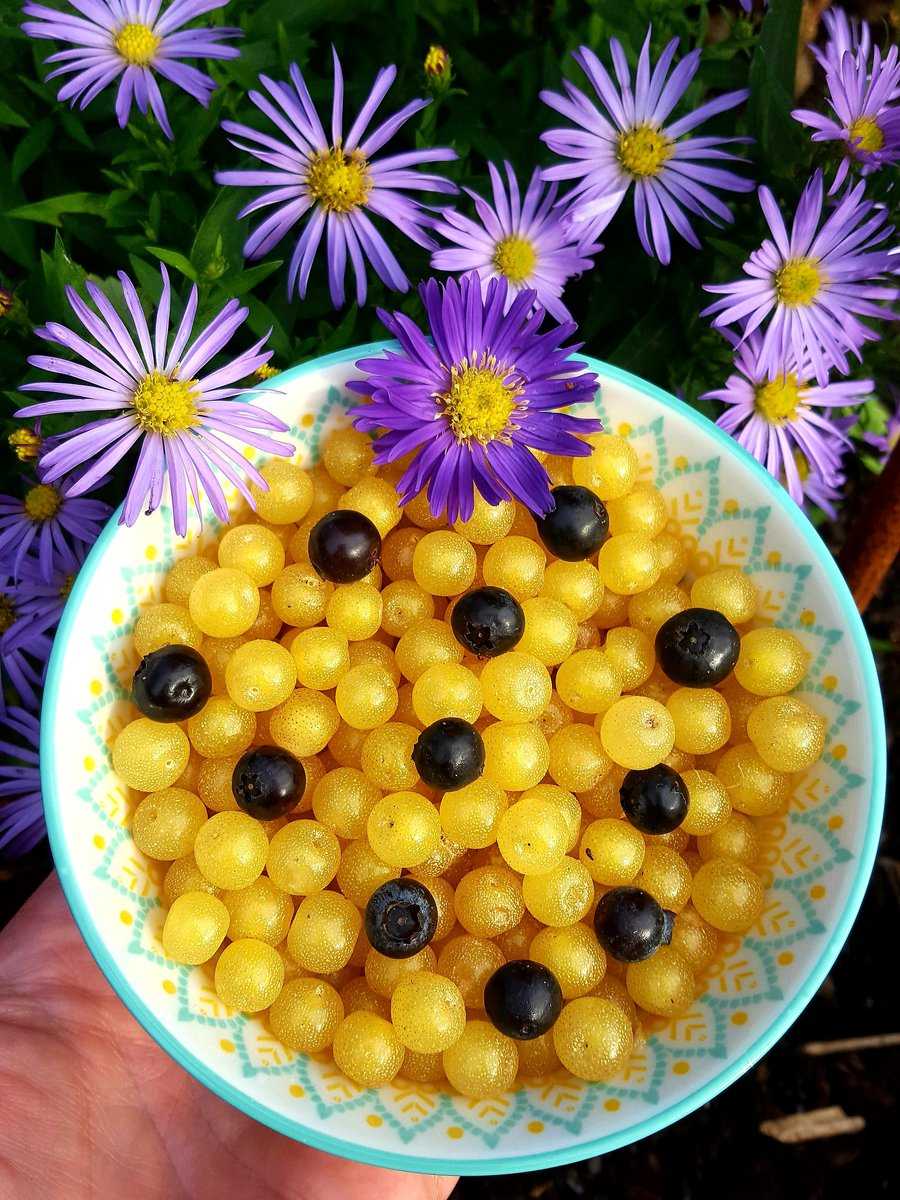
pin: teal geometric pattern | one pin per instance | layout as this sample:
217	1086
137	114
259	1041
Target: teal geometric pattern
809	855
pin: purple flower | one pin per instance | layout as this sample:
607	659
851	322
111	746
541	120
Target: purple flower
813	283
473	402
39	601
821	490
21	810
51	519
22	667
885	442
864	121
631	144
336	181
183	420
130	38
774	413
846	35
525	243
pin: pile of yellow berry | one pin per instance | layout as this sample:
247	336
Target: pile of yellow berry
543	842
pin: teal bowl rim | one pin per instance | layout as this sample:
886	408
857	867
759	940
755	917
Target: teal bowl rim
527	1162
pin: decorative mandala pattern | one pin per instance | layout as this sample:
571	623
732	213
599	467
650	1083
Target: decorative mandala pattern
811	856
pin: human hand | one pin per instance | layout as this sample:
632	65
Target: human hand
93	1109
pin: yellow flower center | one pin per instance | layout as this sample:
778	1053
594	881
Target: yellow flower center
67	586
7	612
339	182
26	444
643	150
802	463
264	372
478	404
866	134
777	401
437	60
137	44
165	405
42	502
798	282
515	257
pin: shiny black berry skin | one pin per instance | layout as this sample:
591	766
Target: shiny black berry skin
630	924
268	782
655	800
344	546
449	754
401	917
578	525
488	621
697	647
523	999
171	684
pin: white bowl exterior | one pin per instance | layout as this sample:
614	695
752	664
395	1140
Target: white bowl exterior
818	857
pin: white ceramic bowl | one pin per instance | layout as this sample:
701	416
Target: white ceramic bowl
818	857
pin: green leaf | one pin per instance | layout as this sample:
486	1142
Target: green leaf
237	285
9	116
59	270
31	147
772	86
176	260
220	237
49	211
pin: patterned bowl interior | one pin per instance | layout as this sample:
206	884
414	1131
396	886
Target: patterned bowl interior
817	858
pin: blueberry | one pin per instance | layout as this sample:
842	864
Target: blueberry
401	917
523	999
449	754
577	526
344	546
488	621
630	924
171	684
697	647
268	782
654	800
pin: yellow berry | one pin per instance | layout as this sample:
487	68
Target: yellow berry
386	758
404	829
555	716
666	876
166	823
488	522
673	558
560	896
372	652
702	720
628	563
632	655
305	1015
343	800
662	984
444	563
551	630
367	1049
447	690
602	800
427	1012
593	1037
643	510
194	928
361	871
260	910
694	940
471	814
650	609
383	973
515	564
483	1062
323	932
611	987
165	625
429	643
729	591
576	584
305	723
224	602
610	469
418	510
772	661
423	1068
728	895
354	609
300	596
404	604
516	756
577	759
150	756
303	857
260	675
347	455
574	956
376	499
221	728
588	682
253	549
612	851
538	1057
708	803
567	805
366	696
358	996
788	735
397	552
515	686
613	611
289	495
182	576
637	732
321	657
753	787
488	901
231	850
214	783
185	876
470	962
735	838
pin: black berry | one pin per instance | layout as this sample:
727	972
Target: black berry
523	999
449	754
268	782
171	684
488	621
344	546
401	918
577	526
655	800
697	647
630	924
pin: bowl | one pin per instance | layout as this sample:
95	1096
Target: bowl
818	857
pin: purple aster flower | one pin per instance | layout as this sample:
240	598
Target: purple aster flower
22	667
153	384
632	144
885	442
336	181
813	283
846	35
524	242
776	412
129	38
39	601
822	490
52	517
473	402
21	809
863	120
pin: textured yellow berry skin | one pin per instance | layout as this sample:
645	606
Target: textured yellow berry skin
559	469
253	549
741	704
576	584
222	728
358	996
603	800
366	1048
165	625
150	756
373	653
702	720
516	564
166	823
224	602
637	732
361	871
427	1012
708	803
593	1037
488	522
403	829
366	696
612	851
488	901
628	563
306	1014
560	896
471	814
515	686
613	611
419	512
612	987
404	604
326	493
194	928
577	759
383	973
554	717
343	800
422	1068
728	895
551	630
537	1057
788	735
375	499
565	802
182	576
305	723
694	940
231	849
386	757
533	835
249	975
643	510
321	657
662	984
303	857
447	690
516	756
610	470
260	911
735	838
729	591
632	655
397	552
753	787
483	1062
345	745
323	932
648	610
268	623
665	875
290	493
470	962
588	682
574	956
214	783
673	558
516	942
299	596
185	876
354	609
260	675
772	661
444	563
347	455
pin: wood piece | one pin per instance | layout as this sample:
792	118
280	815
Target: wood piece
876	1041
810	1126
874	540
